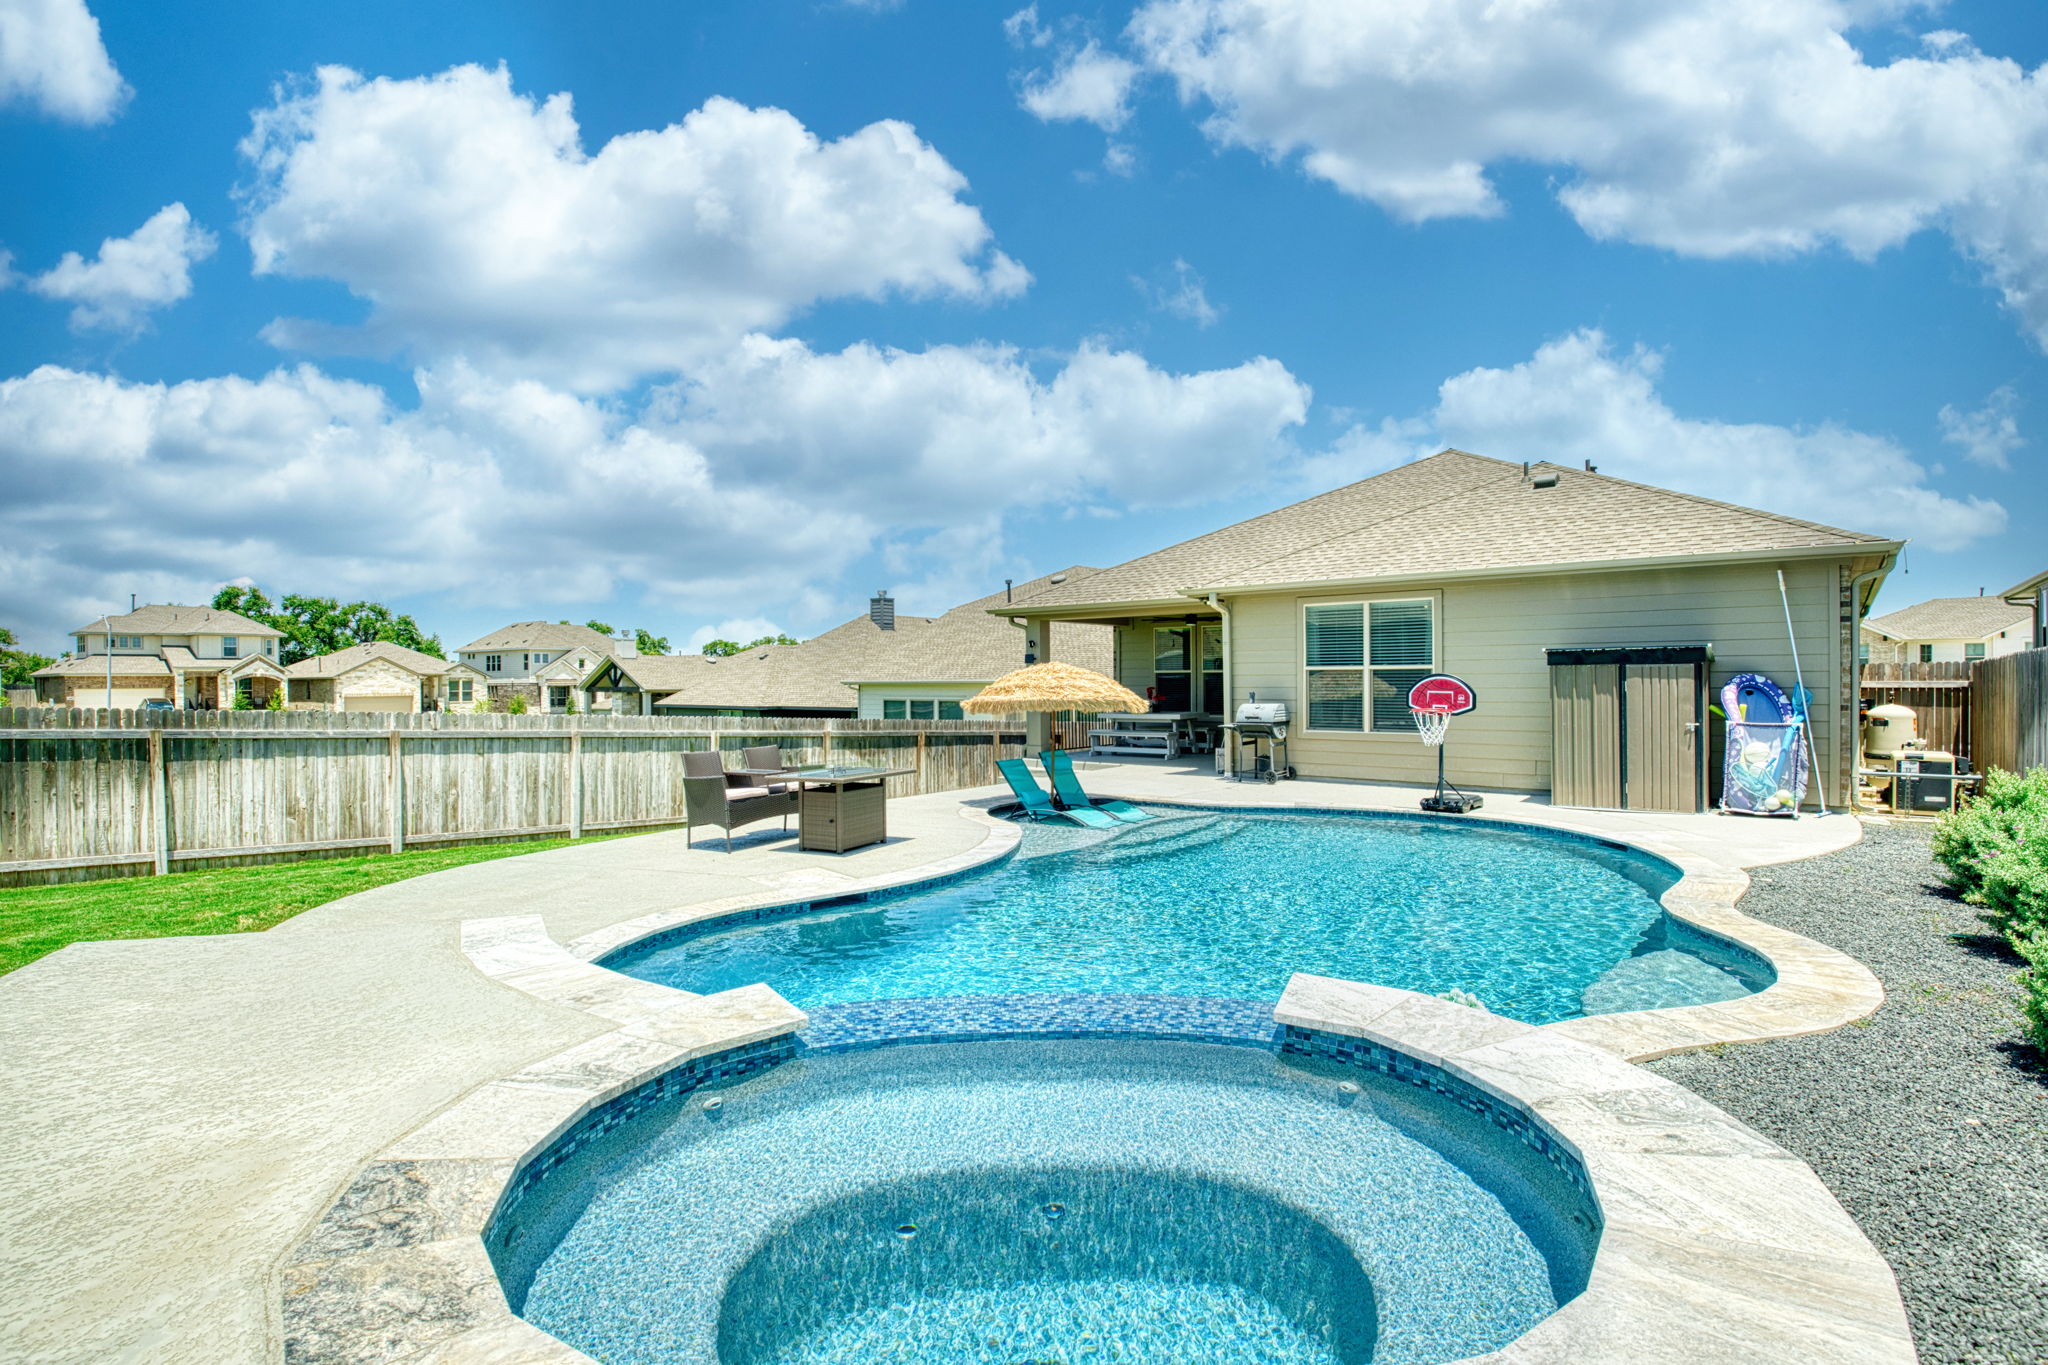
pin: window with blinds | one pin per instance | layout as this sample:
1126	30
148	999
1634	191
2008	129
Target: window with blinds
1361	659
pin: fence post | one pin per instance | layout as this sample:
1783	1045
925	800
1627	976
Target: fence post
159	805
394	789
575	777
995	746
825	747
920	762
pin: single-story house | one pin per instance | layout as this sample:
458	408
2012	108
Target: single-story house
1545	588
2032	593
383	677
1947	630
195	657
929	673
628	684
880	665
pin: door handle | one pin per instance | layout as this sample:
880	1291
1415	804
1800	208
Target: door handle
1691	726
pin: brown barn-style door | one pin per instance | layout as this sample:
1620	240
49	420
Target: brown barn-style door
1628	727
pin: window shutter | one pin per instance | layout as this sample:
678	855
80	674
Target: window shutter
1336	636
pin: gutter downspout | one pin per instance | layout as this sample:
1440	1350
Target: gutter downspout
1229	675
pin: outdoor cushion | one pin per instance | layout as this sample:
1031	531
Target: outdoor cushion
742	793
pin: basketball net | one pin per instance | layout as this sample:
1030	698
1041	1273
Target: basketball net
1433	726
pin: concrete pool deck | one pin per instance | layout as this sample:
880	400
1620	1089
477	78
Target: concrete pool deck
179	1112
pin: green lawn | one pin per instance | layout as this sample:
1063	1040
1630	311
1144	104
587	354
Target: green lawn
231	900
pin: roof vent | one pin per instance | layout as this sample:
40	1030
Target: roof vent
882	610
1057	578
1544	481
1592	468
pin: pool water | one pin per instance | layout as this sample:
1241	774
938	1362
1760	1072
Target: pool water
1041	1202
1229	905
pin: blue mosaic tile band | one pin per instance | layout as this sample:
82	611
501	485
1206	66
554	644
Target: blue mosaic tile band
1366	1055
730	1065
968	1018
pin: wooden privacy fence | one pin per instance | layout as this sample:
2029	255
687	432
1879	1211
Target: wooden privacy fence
1940	695
2010	727
110	793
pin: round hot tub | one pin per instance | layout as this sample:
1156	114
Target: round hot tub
1022	1201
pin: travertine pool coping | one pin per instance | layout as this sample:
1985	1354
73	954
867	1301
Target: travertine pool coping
1718	1248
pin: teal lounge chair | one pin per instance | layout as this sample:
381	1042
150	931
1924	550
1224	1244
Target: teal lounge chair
1038	805
1067	787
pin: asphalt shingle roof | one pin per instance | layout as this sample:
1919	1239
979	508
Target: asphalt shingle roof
542	635
355	656
1951	618
1452	512
167	618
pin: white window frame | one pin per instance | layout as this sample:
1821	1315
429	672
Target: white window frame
1982	649
230	646
1365	666
494	663
126	642
461	689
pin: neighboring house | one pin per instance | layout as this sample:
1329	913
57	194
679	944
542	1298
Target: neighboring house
2032	593
527	658
1947	630
1462	564
383	677
196	657
629	685
880	665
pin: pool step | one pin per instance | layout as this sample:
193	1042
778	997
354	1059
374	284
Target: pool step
1167	834
1660	979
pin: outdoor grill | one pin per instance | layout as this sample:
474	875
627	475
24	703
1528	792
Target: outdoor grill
1261	728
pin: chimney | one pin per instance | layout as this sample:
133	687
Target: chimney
626	646
882	609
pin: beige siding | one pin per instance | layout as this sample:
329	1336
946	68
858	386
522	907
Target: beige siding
872	694
1493	635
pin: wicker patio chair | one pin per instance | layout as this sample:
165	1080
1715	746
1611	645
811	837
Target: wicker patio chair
713	796
758	756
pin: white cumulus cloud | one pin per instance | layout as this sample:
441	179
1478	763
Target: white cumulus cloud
1988	435
474	223
522	493
1085	84
1577	399
148	269
51	57
1711	128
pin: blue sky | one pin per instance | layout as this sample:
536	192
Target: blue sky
712	318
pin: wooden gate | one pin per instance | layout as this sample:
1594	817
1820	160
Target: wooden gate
1628	727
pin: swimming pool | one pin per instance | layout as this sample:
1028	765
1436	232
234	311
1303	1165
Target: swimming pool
991	1203
1540	926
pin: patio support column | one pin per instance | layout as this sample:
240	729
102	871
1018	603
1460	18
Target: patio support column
1038	725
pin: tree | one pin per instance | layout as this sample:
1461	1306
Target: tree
321	625
600	627
18	666
720	649
649	643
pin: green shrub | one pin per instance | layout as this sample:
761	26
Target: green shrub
2014	892
2034	985
1978	832
276	700
516	706
241	702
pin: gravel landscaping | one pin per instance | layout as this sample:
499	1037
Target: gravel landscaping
1929	1121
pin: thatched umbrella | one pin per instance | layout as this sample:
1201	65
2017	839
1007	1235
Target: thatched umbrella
1053	686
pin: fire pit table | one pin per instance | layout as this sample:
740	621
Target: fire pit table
838	809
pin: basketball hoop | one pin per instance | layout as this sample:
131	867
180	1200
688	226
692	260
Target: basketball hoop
1433	702
1433	726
